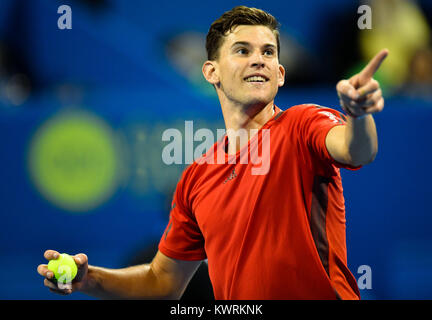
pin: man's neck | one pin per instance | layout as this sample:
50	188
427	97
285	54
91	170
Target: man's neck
242	122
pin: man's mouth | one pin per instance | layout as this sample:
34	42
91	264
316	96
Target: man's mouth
256	79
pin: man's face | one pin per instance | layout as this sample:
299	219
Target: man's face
248	69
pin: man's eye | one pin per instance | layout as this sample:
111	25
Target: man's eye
242	51
268	52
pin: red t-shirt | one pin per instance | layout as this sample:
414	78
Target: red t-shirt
275	234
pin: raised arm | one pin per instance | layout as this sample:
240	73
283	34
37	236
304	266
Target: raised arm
356	143
163	278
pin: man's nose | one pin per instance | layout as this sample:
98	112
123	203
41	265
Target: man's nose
257	60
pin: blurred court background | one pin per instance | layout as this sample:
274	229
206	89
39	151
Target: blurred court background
82	113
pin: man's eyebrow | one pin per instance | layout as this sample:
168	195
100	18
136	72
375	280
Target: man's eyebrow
247	44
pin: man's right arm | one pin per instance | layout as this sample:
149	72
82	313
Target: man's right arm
163	278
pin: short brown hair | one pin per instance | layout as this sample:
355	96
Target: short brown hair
240	15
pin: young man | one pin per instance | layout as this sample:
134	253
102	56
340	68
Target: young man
277	233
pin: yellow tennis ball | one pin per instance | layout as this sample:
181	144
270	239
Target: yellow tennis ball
64	268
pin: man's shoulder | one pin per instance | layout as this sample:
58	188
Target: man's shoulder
308	106
306	110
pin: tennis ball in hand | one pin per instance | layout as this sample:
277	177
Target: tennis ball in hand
64	268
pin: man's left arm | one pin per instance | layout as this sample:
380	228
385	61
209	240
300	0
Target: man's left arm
360	96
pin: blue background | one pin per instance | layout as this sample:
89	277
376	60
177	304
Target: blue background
114	64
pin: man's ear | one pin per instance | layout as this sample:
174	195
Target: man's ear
281	76
210	72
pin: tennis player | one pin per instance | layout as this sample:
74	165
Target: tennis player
275	234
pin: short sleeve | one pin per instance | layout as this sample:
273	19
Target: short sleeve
317	122
182	238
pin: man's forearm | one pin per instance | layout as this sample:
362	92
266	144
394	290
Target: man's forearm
361	139
137	282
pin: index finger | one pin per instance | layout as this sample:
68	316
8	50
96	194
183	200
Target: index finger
51	254
373	65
